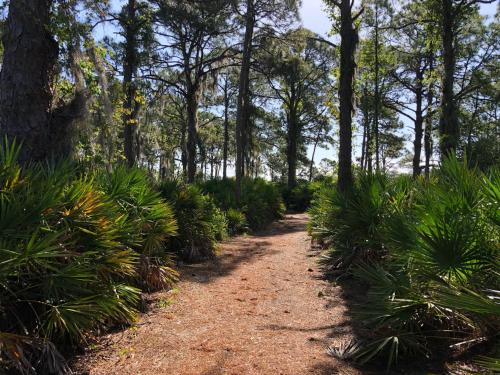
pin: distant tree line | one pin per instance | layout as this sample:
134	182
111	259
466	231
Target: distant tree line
202	89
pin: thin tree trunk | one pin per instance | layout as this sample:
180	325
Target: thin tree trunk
242	110
470	128
130	66
212	161
311	166
348	44
366	144
292	147
419	122
429	120
377	94
28	70
192	134
184	149
363	146
226	130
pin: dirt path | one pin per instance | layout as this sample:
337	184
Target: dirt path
262	309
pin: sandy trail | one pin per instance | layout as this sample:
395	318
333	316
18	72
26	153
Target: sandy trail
260	309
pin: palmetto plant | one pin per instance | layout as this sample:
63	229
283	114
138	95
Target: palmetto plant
449	265
203	223
434	281
352	222
236	222
71	257
147	224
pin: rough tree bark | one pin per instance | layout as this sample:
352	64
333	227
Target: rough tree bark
27	109
28	69
448	121
348	44
192	132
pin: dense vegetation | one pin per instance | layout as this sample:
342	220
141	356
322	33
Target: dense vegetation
78	247
134	116
427	250
76	250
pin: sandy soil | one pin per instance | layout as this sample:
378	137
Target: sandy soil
260	309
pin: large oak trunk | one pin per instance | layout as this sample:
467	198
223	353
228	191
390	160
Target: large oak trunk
28	69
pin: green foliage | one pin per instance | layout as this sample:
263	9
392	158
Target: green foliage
236	222
261	201
149	223
203	223
72	253
428	250
353	221
298	198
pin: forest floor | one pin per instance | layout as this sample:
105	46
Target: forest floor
261	308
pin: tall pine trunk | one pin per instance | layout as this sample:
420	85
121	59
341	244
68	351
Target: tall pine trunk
448	121
429	118
130	66
28	70
348	44
242	111
226	130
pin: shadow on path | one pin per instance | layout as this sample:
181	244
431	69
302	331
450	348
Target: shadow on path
243	250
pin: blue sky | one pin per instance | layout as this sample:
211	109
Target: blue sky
313	16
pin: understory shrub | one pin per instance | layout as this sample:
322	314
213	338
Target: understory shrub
236	222
353	222
261	201
429	252
203	223
75	249
150	224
